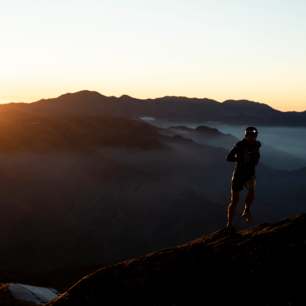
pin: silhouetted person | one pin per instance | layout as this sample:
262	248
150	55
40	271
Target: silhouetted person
246	155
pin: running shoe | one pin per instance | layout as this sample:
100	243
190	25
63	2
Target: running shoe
248	217
230	227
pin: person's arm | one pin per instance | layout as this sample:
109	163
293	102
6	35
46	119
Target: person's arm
235	155
257	155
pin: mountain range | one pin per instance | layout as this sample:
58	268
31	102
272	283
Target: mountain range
169	109
81	187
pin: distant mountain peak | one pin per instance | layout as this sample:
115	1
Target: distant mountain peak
84	93
126	97
176	97
203	128
246	102
74	95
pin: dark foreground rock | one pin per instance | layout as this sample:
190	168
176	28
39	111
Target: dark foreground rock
263	265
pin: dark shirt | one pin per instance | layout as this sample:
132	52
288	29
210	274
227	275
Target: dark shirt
244	169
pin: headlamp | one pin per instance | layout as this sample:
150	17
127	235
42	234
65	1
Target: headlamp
251	132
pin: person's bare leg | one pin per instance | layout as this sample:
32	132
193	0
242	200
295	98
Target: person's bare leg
235	196
250	186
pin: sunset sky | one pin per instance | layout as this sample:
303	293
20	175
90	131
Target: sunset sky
221	49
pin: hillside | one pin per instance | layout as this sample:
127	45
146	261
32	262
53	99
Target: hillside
263	265
86	190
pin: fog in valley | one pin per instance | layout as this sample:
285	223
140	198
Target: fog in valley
289	139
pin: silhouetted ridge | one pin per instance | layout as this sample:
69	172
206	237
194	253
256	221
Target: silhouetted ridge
169	108
181	127
179	139
126	97
202	129
207	129
85	94
263	265
249	108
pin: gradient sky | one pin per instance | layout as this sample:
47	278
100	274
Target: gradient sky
221	49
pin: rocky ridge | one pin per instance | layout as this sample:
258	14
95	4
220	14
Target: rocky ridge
263	265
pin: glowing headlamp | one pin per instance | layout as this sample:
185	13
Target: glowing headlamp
251	132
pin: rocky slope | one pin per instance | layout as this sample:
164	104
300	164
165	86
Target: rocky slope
59	279
263	265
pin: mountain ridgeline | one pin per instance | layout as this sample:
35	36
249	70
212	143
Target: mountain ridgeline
170	109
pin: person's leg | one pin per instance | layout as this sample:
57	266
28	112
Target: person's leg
235	196
250	186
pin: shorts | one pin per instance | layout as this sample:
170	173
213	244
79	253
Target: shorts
238	183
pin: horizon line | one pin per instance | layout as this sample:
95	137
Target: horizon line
6	101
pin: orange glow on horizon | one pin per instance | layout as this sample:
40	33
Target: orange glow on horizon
283	106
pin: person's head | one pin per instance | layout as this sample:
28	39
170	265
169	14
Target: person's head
251	134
